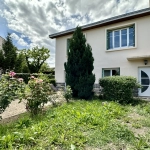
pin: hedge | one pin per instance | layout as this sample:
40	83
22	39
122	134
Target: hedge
47	77
118	88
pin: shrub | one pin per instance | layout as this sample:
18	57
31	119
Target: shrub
118	88
38	95
79	66
11	88
68	93
42	76
24	76
53	81
49	78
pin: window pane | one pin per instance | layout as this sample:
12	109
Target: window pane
110	40
143	75
131	39
124	31
131	30
145	81
110	33
131	36
117	33
124	37
68	44
115	72
124	40
144	88
116	39
106	73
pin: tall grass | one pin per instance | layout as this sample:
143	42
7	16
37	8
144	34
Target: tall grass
77	125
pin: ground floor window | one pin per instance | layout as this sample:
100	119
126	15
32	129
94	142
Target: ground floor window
110	72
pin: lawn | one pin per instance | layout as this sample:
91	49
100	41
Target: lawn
88	125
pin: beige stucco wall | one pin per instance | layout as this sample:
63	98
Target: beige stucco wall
1	42
109	59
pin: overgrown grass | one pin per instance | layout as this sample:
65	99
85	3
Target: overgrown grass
81	125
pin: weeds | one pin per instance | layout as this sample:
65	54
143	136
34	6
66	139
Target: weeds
78	125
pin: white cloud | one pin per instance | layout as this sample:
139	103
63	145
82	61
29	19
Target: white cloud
15	36
36	19
19	40
22	42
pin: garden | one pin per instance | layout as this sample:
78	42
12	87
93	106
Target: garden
80	119
90	124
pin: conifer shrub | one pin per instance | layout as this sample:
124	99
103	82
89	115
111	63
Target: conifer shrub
118	88
79	66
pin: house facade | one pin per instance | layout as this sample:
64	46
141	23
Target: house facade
120	46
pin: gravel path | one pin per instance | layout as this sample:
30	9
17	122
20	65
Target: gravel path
16	108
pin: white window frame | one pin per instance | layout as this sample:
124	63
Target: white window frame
120	43
103	69
121	27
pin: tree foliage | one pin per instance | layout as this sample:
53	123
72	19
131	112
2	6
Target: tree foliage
20	64
79	66
45	68
36	57
8	54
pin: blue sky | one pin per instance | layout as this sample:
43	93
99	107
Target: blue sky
31	21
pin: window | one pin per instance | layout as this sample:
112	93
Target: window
68	44
121	38
110	72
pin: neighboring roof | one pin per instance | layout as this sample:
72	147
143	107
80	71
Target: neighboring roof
116	19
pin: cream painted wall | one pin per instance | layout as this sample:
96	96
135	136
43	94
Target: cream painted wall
109	59
1	42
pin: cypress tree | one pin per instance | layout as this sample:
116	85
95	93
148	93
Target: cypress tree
79	66
9	54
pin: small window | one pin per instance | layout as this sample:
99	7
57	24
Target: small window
110	72
120	38
68	44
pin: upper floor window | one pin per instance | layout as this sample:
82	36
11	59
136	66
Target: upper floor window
121	38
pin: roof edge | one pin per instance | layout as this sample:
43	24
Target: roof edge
116	19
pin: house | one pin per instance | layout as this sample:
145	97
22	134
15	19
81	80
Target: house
1	42
120	46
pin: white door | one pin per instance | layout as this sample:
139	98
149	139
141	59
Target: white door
144	78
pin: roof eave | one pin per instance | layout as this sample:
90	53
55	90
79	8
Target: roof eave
120	18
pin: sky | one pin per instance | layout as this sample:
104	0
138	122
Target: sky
30	22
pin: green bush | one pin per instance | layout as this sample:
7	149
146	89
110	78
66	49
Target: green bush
49	78
38	95
52	81
68	93
119	88
24	76
11	88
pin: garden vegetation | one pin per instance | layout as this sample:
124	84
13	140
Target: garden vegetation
80	125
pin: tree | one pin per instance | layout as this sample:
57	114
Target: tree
20	64
36	57
79	66
8	54
45	68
